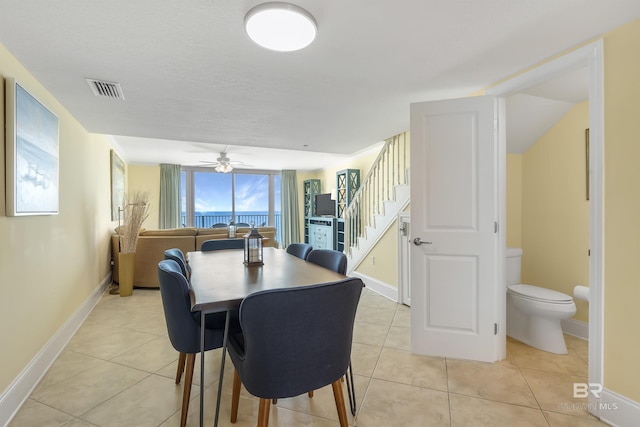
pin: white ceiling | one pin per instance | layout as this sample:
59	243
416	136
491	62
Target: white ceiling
189	73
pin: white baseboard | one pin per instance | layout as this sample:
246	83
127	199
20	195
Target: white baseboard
17	393
577	328
618	410
378	286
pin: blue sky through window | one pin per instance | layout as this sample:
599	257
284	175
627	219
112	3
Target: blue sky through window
217	196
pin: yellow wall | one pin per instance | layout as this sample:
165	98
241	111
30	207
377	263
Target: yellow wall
514	200
622	211
555	212
381	263
49	265
361	161
147	178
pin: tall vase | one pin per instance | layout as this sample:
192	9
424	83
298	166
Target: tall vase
127	264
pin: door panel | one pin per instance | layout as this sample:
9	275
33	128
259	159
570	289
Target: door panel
453	205
452	293
454	212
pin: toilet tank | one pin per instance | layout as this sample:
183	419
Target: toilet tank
514	256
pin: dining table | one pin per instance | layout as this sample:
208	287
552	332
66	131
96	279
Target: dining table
220	281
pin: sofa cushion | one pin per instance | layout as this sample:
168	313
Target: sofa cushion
188	231
221	232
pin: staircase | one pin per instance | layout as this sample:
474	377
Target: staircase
382	195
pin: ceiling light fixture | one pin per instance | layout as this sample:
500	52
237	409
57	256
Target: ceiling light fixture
224	168
279	26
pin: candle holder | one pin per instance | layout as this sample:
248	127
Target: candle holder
253	254
232	230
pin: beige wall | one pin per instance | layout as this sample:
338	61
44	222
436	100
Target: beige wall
361	161
555	212
622	211
49	265
147	178
381	263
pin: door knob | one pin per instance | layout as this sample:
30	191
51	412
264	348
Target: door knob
418	241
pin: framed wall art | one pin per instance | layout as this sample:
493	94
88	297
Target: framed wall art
117	184
32	154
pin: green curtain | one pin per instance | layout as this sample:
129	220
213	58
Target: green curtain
290	214
169	196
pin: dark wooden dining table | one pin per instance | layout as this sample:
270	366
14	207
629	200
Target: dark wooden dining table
220	281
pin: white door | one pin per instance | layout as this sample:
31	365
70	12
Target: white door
454	214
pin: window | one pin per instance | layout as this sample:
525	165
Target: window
210	198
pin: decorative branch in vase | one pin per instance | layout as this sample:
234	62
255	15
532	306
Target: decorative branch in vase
133	213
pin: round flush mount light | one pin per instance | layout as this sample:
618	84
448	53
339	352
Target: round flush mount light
279	26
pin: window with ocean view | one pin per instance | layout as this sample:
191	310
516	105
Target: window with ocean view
210	198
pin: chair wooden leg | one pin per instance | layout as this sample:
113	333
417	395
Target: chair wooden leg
263	412
339	398
310	393
235	396
186	393
181	360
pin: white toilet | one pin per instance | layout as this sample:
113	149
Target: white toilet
534	313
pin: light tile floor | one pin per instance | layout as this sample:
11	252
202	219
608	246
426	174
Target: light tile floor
119	370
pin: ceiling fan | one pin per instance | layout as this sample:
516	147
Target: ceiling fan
224	164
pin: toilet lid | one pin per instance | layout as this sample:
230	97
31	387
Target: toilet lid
540	294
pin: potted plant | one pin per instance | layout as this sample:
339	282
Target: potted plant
134	210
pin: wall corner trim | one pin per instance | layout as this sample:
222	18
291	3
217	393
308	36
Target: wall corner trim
378	286
617	410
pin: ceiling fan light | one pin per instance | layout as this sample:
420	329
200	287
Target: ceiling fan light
283	27
223	168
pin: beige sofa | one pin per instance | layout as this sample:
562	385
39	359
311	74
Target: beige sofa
153	243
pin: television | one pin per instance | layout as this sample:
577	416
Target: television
325	206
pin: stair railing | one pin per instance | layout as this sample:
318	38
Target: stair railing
388	170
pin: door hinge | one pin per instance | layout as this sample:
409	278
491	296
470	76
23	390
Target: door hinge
495	227
495	329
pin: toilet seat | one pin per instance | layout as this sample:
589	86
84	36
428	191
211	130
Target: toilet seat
537	293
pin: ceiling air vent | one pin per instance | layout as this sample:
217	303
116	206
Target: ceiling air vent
106	89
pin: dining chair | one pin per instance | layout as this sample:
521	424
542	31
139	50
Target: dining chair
183	326
301	250
243	224
220	225
328	258
177	255
293	340
219	244
336	261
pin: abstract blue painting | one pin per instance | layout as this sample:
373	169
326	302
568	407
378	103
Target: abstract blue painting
32	155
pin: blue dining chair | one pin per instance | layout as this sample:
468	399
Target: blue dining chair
177	255
328	258
301	250
220	244
183	326
293	340
336	261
